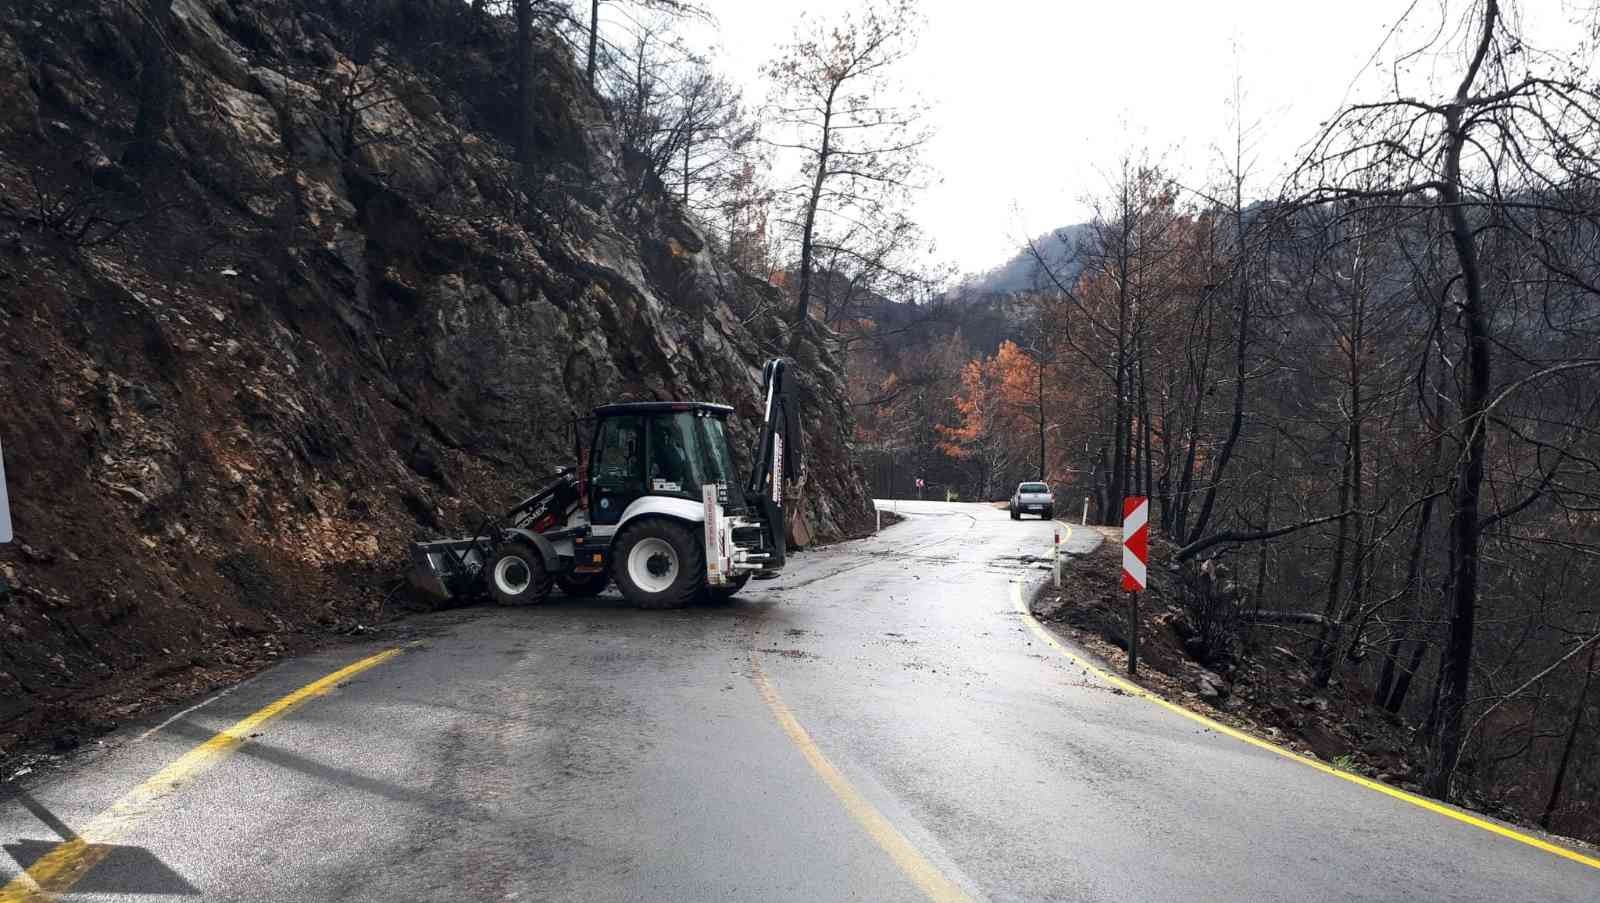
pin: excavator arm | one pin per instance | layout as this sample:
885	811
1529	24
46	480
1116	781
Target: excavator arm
779	458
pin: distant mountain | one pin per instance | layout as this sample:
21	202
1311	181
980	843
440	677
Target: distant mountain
1021	273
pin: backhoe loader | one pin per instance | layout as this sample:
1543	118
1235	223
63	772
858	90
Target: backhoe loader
655	507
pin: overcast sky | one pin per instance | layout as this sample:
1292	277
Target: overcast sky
1032	100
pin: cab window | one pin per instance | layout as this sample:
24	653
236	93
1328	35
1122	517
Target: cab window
620	453
719	464
674	454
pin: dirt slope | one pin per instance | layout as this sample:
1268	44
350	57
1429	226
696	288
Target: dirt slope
239	373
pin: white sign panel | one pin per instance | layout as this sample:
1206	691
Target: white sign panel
715	568
5	506
1135	541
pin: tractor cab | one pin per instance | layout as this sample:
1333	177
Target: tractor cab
656	448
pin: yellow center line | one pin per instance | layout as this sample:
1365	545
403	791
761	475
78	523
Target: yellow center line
1420	802
924	874
64	865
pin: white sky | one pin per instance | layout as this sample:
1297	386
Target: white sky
1032	100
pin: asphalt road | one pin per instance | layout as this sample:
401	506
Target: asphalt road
879	724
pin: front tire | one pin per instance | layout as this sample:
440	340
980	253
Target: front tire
582	586
517	575
658	563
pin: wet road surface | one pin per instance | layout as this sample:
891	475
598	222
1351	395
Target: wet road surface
879	724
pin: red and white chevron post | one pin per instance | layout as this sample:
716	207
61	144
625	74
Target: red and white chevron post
1135	554
1135	541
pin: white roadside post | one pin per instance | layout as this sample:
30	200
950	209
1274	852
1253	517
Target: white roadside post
5	506
1085	521
1058	560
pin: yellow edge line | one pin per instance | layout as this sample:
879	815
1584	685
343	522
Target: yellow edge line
1420	802
923	873
64	865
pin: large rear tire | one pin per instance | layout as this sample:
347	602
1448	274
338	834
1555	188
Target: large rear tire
582	586
658	563
517	575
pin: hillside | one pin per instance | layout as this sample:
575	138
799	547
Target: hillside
241	368
1021	272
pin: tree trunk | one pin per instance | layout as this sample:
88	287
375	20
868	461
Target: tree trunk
1261	547
525	139
1402	683
1241	348
1392	689
1322	656
594	38
1572	740
1042	471
808	228
1465	528
1144	423
158	83
1327	654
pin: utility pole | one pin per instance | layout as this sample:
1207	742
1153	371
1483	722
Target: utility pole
1041	416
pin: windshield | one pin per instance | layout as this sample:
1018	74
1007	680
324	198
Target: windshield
718	460
686	452
1033	487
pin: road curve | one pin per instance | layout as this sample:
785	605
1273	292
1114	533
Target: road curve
879	724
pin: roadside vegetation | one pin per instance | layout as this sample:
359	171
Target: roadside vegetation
1362	401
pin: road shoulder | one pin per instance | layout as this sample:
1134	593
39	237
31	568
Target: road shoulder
1086	619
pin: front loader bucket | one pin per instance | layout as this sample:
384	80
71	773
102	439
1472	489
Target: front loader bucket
445	569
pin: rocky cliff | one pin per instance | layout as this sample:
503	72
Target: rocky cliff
241	366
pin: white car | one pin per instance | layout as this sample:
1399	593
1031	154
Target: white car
1033	498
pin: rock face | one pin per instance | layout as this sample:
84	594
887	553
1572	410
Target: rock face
237	375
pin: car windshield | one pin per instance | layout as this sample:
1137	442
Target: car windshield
1033	487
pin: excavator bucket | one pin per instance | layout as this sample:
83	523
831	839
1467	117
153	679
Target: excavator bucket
444	569
447	568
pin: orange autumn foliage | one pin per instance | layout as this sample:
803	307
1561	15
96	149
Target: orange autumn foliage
997	405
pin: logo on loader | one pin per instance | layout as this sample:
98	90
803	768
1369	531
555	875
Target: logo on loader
714	548
777	469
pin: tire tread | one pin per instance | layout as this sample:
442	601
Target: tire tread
541	580
684	590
